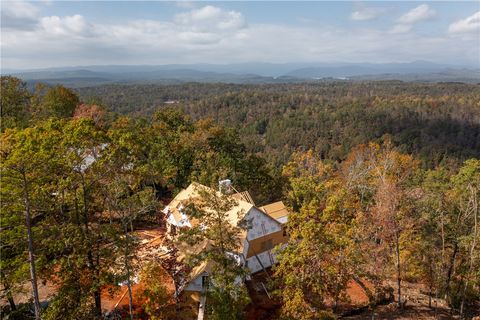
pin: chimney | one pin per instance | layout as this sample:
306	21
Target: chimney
225	186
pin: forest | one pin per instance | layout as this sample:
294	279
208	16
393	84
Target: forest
437	122
382	180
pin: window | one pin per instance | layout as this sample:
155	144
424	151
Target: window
204	281
284	232
267	245
264	230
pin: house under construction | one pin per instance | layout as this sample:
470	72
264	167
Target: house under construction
265	231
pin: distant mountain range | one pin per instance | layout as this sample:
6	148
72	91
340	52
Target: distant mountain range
248	73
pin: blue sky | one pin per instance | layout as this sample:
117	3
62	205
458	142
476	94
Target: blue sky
41	34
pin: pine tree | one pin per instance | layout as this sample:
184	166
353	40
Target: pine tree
127	198
220	241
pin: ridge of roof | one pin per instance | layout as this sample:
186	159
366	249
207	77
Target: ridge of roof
245	196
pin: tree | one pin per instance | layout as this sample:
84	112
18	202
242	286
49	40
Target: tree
78	256
450	235
14	104
91	111
28	168
13	269
183	150
466	196
159	304
127	199
126	209
156	149
91	230
219	240
59	102
389	219
392	221
317	262
436	242
436	122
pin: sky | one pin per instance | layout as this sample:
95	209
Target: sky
41	34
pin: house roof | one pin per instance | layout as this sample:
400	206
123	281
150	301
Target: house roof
184	250
191	193
204	266
175	206
276	210
244	196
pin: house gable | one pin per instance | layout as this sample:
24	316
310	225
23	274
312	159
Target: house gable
260	224
264	234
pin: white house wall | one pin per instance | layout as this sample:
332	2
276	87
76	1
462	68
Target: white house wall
260	225
267	258
196	284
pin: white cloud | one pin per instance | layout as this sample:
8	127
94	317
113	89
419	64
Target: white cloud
214	35
470	24
69	25
406	22
19	9
401	28
210	17
185	4
19	15
364	14
420	13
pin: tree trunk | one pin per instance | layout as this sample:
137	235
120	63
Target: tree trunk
430	296
399	279
130	298
472	250
127	268
443	238
462	304
9	295
367	291
91	264
96	294
31	255
11	301
450	271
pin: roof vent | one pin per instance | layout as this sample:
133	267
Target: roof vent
225	186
